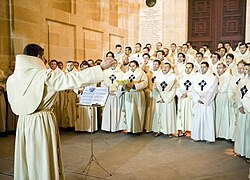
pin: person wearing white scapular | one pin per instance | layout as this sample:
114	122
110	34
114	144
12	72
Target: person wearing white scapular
242	129
185	101
135	104
225	119
113	116
164	120
32	91
203	94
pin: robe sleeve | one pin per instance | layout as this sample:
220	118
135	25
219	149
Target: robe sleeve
209	96
59	81
143	84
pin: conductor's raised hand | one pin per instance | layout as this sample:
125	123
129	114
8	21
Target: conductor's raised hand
108	62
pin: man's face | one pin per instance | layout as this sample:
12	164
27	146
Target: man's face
243	49
179	49
127	51
91	63
166	51
70	66
145	50
156	66
60	66
118	50
114	65
166	68
76	65
227	46
219	45
53	65
180	58
240	68
137	48
214	58
146	59
229	60
188	68
184	49
84	67
246	69
198	57
133	66
125	60
173	47
204	68
222	52
202	50
158	46
109	55
160	56
220	69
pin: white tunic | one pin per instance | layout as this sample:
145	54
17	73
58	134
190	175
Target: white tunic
37	135
113	118
185	105
225	118
135	104
242	129
165	114
203	123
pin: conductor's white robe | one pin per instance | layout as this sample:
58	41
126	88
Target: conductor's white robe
242	129
32	90
135	104
224	108
185	105
165	114
203	123
113	118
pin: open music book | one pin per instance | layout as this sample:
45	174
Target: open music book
94	96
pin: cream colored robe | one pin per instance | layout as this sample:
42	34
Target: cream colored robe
242	129
164	120
32	91
203	123
2	103
225	121
185	105
135	104
113	118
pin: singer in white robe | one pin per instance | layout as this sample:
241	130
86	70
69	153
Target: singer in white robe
224	107
32	90
203	94
242	129
135	104
113	118
165	113
185	101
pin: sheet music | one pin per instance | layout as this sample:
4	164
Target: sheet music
94	96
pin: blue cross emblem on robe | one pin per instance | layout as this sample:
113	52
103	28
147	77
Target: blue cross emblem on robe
163	85
131	78
153	79
112	78
187	84
202	84
237	82
243	91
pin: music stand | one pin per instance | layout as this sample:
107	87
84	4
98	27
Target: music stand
91	106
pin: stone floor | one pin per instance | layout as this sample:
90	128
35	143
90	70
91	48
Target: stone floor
142	157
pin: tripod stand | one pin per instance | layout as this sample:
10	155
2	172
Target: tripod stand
92	156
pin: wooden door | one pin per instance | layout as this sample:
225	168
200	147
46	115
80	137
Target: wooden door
214	21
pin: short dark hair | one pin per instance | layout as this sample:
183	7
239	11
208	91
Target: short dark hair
243	44
146	48
129	48
118	45
163	53
158	61
202	55
134	61
53	60
217	54
69	61
138	44
183	55
223	48
113	56
33	50
84	63
230	55
167	63
204	62
191	64
241	62
146	54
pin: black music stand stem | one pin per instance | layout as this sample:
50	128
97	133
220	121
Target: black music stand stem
92	156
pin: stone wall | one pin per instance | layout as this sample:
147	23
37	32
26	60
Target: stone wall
67	29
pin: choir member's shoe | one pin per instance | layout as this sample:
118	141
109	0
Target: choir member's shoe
196	140
208	142
158	134
124	132
248	160
181	134
170	136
